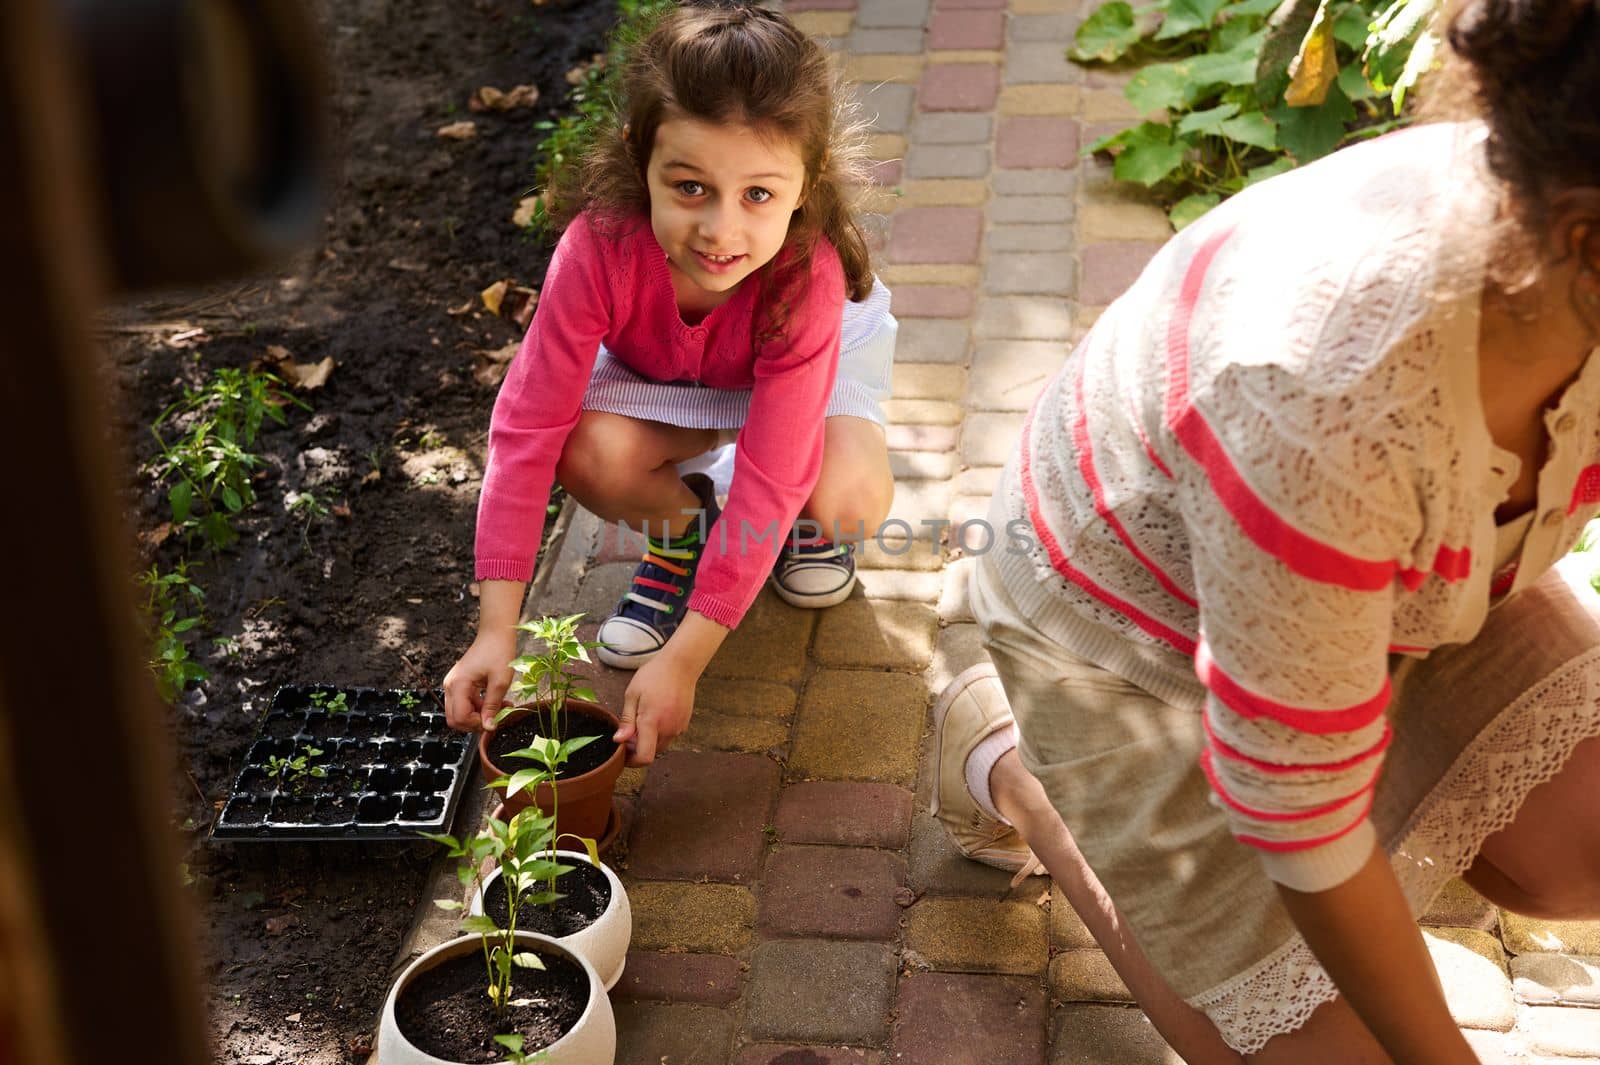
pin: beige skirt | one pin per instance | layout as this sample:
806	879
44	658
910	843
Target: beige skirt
1476	727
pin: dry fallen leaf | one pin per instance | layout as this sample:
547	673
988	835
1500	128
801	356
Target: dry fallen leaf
523	216
458	310
492	295
293	1018
342	511
490	98
372	477
154	538
302	376
486	99
459	131
492	365
518	305
276	926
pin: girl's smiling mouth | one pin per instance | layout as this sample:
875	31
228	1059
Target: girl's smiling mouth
716	263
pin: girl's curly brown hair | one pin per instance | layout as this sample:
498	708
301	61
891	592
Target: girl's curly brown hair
734	62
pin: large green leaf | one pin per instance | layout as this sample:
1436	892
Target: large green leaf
1308	133
1150	154
1183	83
1253	8
1278	166
1106	35
1255	129
1208	122
1189	209
1187	16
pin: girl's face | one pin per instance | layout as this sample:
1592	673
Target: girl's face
720	200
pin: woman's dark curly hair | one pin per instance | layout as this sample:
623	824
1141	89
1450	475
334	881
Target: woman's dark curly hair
734	62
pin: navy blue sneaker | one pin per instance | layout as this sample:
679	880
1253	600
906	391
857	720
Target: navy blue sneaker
814	572
655	605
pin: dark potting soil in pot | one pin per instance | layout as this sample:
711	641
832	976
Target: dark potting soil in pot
521	732
586	893
446	1012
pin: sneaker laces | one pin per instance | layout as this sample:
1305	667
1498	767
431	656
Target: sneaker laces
1031	865
656	561
812	549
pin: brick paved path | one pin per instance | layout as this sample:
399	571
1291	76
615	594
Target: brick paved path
794	903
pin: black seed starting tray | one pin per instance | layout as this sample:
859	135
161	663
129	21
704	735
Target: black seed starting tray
387	767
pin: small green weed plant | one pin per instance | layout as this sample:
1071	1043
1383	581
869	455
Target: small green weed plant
174	606
1251	88
206	460
295	770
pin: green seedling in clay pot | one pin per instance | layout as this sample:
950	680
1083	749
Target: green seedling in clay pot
547	679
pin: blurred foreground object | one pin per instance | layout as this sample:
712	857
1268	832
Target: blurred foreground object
146	142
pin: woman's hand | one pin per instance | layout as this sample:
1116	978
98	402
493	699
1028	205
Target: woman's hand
475	687
657	707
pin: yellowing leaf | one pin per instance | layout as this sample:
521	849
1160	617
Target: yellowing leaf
492	295
523	216
301	376
1316	66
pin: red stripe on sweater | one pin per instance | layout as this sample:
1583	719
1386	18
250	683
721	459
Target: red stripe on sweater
1085	448
1250	705
1058	560
1233	754
1279	816
1305	555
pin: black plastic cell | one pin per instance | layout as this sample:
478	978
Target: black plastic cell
389	767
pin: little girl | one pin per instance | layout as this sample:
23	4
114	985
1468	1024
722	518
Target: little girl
698	294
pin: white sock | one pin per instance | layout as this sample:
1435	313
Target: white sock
981	762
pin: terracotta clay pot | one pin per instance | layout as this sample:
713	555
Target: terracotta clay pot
585	801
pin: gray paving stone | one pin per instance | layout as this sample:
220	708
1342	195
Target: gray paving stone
1031	274
1023	318
960	647
1556	980
1007	375
1107	1035
1039	62
819	992
978	481
922	505
955	604
1560	1031
989	439
648	1034
947	161
887	106
1035	182
886	41
938	868
922	465
1476	988
933	340
951	127
1030	210
1026	237
1058	28
878	14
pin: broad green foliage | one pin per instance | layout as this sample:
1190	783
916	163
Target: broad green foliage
174	605
1236	92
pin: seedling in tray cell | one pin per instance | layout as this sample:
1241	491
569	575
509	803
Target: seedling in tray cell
294	770
338	703
408	700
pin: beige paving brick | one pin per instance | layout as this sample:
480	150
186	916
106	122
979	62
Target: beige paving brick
1023	318
908	585
1052	236
922	412
1493	1048
978	935
1472	967
961	275
923	465
1122	220
1108	105
977	480
713	731
921	505
1067	930
944	192
769	644
856	725
929	380
1008	374
886	146
862	633
988	439
1041	7
1040	100
697	918
1086	976
824	23
1560	1031
746	698
965	55
895	554
1056	27
1527	935
875	68
1556	980
971	534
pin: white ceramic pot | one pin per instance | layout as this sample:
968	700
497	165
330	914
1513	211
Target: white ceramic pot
605	942
592	1041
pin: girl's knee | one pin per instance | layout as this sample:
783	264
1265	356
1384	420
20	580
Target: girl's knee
851	508
1565	891
595	450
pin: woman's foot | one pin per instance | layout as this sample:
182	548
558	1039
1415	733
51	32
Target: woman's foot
814	573
655	604
972	729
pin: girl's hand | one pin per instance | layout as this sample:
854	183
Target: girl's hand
475	687
657	707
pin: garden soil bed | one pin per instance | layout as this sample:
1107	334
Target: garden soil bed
298	938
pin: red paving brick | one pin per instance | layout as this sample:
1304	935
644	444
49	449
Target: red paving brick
772	1054
700	816
1035	141
1110	268
964	1019
708	979
831	892
931	301
936	235
886	172
848	814
959	87
967	29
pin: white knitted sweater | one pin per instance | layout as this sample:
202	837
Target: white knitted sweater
1267	468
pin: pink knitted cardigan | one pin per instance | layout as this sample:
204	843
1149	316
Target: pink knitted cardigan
608	283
